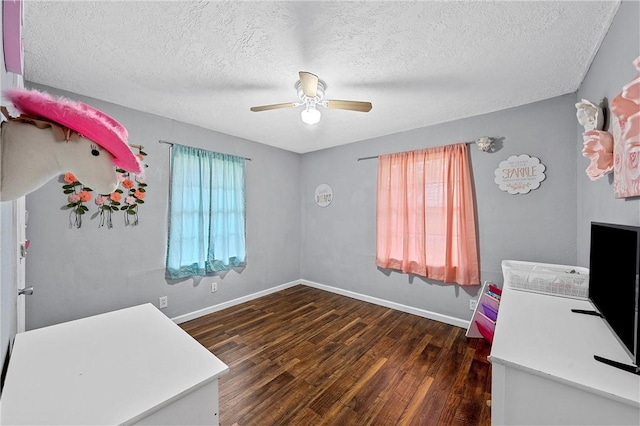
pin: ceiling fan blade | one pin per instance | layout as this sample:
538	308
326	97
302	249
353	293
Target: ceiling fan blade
309	83
274	106
350	105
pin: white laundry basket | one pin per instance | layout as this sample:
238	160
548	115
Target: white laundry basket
559	280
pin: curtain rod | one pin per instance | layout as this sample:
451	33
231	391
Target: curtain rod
376	156
171	143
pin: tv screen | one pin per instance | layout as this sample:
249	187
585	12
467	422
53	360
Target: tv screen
614	266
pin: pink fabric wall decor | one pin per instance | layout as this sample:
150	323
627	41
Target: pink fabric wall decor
625	127
426	221
12	35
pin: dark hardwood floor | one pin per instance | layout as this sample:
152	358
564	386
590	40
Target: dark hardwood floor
303	356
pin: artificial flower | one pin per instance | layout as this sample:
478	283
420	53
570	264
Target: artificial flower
134	185
589	115
632	131
631	92
623	108
70	178
627	103
632	156
598	147
617	162
84	196
77	194
485	143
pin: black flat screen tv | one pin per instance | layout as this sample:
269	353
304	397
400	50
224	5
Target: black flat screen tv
614	268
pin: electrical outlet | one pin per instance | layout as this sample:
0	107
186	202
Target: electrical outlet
163	302
472	304
214	287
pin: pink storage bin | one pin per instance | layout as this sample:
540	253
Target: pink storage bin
494	289
491	302
486	332
489	311
486	327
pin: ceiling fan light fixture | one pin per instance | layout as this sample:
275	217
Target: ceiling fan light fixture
310	90
310	115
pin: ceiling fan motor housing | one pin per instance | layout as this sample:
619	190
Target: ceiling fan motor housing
322	86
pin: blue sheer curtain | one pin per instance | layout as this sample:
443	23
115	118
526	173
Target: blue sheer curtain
206	213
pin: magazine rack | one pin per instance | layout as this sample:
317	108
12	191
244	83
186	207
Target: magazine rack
485	315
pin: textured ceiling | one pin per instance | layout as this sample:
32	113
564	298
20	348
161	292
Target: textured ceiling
419	63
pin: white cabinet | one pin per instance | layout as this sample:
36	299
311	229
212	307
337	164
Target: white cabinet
543	370
132	366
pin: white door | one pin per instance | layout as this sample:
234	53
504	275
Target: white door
19	221
19	232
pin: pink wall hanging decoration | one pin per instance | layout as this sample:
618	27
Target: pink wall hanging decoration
625	127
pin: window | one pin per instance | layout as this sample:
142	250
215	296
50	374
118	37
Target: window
206	213
426	221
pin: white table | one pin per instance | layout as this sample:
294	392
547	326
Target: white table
543	370
132	366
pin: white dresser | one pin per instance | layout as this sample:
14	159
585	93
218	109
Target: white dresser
543	370
132	366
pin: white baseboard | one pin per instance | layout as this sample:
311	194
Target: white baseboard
215	308
458	322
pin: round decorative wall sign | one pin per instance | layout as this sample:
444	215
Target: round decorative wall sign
519	174
324	195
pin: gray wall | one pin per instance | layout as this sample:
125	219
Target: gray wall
80	272
86	271
611	69
7	267
338	241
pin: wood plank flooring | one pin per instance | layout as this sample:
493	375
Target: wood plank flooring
303	356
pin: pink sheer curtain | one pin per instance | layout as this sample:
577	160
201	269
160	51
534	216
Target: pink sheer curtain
426	221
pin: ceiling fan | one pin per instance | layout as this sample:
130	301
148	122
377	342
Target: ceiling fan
311	90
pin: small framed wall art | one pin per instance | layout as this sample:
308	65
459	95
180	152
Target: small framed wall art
323	195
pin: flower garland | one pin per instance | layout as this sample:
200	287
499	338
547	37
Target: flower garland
78	195
136	188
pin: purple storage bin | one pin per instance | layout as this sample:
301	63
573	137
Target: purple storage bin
491	313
